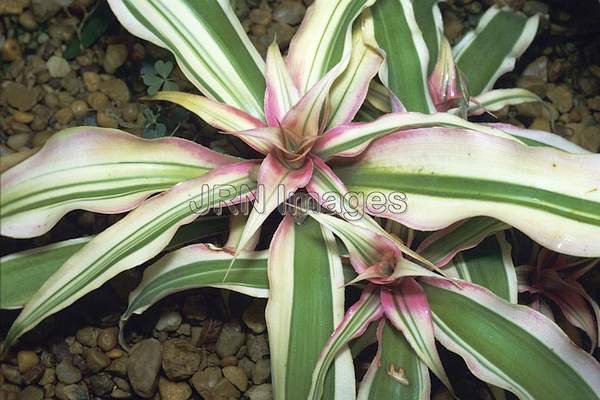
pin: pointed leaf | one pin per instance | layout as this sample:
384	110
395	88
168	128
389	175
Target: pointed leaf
541	138
406	307
429	19
138	237
209	43
107	171
495	100
281	93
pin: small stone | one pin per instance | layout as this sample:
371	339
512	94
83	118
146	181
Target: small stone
58	67
65	99
230	340
180	359
33	374
49	377
257	347
98	101
173	390
115	89
204	381
237	376
96	360
118	367
43	10
168	322
254	316
32	393
10	50
64	116
71	392
260	392
262	371
74	346
282	32
18	141
21	97
106	121
184	330
87	336
67	373
229	361
12	7
26	359
289	12
116	55
11	374
79	108
91	80
115	353
101	384
130	112
247	366
535	76
593	103
120	394
225	390
22	117
107	339
27	21
453	26
262	15
540	124
588	137
143	367
561	96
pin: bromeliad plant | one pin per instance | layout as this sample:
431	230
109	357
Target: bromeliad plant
424	171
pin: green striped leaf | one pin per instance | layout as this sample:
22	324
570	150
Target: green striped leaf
208	42
495	100
306	303
195	266
138	237
541	138
441	246
505	344
95	169
404	71
485	54
321	40
489	265
449	175
396	372
23	273
429	20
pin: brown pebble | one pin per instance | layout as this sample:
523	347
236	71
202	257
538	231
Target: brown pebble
98	101
18	140
91	81
106	121
51	100
10	50
115	353
64	116
79	108
229	361
40	138
27	21
19	127
23	117
130	112
107	338
27	360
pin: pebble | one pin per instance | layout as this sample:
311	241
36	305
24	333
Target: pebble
11	374
12	7
230	340
258	347
22	117
107	339
261	16
194	308
67	373
237	376
32	393
96	360
64	116
106	121
79	108
173	390
91	80
49	377
168	322
593	103
43	10
540	124
118	367
260	392
254	316
98	101
27	21
289	12
143	367
26	359
58	67
262	371
211	384
180	359
71	392
10	50
115	89
21	97
130	112
561	96
101	384
247	366
535	76
18	141
116	55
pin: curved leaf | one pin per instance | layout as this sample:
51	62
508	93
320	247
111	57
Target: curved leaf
448	175
505	344
95	169
138	237
208	42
